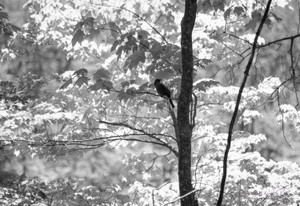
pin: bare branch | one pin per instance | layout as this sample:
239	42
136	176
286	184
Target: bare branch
142	132
278	40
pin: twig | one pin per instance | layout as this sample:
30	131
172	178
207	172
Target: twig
183	196
278	40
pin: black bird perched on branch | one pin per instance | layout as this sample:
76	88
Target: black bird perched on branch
162	90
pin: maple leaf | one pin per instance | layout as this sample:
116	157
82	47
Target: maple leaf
89	21
251	24
134	59
102	84
142	34
115	45
78	37
114	29
127	83
122	95
101	74
94	35
81	80
227	13
238	10
81	72
144	87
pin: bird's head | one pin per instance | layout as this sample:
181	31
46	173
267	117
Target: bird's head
157	81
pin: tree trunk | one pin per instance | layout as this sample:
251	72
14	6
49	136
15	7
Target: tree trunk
183	114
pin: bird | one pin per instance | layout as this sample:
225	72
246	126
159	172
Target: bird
162	90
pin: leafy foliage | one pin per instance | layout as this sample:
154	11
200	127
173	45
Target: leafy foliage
111	105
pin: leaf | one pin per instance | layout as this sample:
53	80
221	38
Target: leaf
256	15
108	85
119	52
134	59
131	91
144	87
251	25
65	85
3	15
81	72
114	46
115	30
95	87
144	44
13	27
164	73
89	21
202	62
81	80
78	26
269	24
128	94
78	37
101	33
203	84
102	84
94	34
123	96
127	83
143	34
205	61
227	13
156	50
238	10
130	42
278	19
101	74
204	5
219	5
218	36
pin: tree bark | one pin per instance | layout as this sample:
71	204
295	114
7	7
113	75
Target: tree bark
183	113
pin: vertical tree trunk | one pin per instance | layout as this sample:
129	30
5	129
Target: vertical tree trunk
183	114
237	103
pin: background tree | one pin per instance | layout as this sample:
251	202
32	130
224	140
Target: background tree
110	110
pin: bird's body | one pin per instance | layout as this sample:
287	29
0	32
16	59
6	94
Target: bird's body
162	90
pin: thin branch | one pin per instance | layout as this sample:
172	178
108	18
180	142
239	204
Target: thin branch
237	37
282	123
183	196
236	109
120	124
293	72
175	125
278	40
